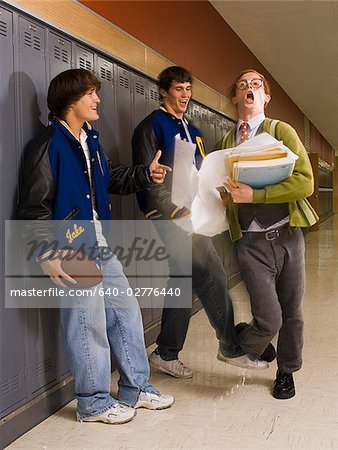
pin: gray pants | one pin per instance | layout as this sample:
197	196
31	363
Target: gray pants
274	275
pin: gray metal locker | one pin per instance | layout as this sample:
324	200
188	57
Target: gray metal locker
227	124
204	126
153	97
211	131
32	117
218	128
140	111
32	79
59	58
124	107
12	321
140	99
196	115
189	112
107	124
155	267
124	116
83	58
107	111
59	54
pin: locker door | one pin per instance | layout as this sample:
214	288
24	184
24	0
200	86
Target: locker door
189	112
124	109
107	123
124	114
12	327
218	128
227	124
211	131
83	58
32	117
124	105
59	54
204	128
156	268
140	97
107	110
59	58
140	110
196	115
32	79
153	97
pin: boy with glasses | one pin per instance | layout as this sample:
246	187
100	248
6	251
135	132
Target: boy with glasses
265	226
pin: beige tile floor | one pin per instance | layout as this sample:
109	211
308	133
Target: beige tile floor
223	407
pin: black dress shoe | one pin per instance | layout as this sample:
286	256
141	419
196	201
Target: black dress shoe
269	353
284	386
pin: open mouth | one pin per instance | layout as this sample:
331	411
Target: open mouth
250	97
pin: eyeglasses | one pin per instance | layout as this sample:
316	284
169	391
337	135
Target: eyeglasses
255	83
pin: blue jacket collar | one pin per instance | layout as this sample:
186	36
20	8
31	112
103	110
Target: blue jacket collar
162	108
64	127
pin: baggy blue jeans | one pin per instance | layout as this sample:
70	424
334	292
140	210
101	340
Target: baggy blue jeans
98	326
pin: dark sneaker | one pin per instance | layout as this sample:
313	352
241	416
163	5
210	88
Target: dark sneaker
284	386
269	353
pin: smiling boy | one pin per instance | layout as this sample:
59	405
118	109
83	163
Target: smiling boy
66	170
208	277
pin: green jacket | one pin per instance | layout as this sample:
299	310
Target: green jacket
293	190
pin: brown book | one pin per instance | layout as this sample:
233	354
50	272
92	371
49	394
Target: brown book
266	155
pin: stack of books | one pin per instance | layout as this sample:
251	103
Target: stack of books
261	165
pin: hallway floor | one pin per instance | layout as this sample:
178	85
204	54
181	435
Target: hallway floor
224	407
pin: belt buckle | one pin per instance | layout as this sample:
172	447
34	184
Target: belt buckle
272	235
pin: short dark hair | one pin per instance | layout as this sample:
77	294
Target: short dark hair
173	73
266	84
67	88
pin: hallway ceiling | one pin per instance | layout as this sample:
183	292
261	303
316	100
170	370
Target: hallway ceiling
297	42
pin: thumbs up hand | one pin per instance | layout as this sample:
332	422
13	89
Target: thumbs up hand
158	171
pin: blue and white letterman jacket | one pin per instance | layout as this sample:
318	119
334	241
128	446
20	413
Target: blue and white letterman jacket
56	186
157	132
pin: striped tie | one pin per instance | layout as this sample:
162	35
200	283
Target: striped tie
244	132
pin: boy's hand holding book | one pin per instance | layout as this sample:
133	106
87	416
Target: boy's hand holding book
241	193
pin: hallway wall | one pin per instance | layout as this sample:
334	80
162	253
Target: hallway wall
194	35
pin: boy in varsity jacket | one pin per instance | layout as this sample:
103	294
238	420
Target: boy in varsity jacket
66	174
208	277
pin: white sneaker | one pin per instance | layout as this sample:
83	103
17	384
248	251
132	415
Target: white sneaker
117	414
244	361
174	367
154	401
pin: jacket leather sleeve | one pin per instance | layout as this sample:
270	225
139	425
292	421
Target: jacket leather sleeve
37	190
126	180
155	202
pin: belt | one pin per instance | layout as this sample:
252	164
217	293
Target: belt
271	235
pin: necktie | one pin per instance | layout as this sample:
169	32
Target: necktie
244	132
